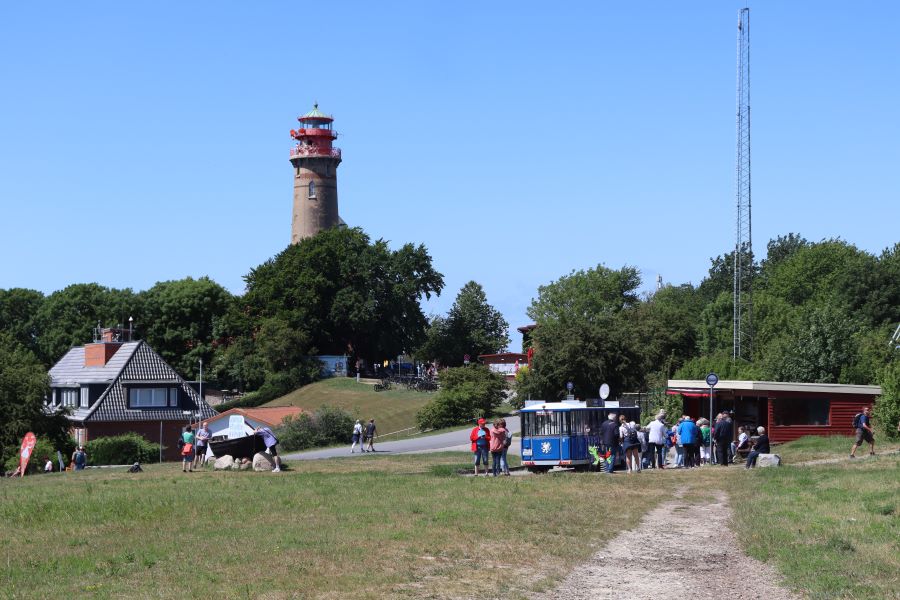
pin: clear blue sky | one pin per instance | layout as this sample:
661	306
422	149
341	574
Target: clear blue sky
518	141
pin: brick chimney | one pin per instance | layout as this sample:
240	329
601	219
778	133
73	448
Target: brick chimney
99	353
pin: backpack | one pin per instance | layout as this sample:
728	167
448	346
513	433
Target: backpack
631	436
856	420
508	441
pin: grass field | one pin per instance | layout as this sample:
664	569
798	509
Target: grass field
832	530
393	410
409	526
812	448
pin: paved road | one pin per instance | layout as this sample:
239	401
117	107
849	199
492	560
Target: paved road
441	442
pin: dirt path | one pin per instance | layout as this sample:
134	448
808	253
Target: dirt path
679	549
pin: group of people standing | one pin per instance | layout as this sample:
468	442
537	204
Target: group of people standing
696	443
495	441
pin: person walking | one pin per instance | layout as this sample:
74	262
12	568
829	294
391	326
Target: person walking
632	445
657	440
504	463
271	443
609	438
371	432
760	447
356	437
864	432
723	436
498	438
79	458
202	436
689	434
481	440
187	450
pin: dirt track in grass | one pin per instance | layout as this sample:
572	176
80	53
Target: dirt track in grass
681	548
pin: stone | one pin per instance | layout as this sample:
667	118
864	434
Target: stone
245	465
224	463
768	460
263	462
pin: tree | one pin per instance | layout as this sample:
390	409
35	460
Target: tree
466	393
179	318
348	294
68	317
586	334
887	407
18	315
472	326
23	386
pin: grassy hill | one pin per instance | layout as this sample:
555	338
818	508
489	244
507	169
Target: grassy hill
392	410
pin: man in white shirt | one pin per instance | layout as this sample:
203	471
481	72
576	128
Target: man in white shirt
657	440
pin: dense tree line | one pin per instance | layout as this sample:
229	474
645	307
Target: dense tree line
822	312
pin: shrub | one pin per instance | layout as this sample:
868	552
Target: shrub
466	393
42	449
121	450
326	426
887	408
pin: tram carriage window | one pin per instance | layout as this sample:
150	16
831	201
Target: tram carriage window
565	423
527	423
546	423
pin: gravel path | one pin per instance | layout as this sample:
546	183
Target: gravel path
704	564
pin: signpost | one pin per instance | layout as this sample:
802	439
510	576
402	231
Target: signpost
711	380
466	359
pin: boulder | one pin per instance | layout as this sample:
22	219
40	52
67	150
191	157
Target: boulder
224	463
768	460
263	462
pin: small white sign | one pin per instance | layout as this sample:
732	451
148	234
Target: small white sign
236	427
611	404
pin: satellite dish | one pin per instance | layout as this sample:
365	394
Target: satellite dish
604	391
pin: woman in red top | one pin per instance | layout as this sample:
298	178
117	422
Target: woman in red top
498	439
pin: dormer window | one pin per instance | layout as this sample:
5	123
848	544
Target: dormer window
312	189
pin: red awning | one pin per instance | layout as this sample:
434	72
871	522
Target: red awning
688	393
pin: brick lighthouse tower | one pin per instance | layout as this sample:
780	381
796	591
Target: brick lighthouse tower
315	176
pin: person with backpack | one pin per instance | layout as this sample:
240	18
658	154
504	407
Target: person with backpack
723	435
506	445
862	424
356	437
705	441
79	458
632	445
498	439
481	440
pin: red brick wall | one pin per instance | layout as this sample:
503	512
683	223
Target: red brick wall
97	355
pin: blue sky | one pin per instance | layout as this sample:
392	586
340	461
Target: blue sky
518	141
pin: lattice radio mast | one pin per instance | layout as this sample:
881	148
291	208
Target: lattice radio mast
743	248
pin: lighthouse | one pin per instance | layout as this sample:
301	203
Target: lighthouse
315	163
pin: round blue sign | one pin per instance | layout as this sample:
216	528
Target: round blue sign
569	386
712	379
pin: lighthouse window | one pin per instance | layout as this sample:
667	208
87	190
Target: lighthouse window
312	189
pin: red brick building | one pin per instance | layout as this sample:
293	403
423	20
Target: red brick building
505	363
114	387
787	410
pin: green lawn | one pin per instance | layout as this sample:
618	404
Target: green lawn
811	448
393	410
832	530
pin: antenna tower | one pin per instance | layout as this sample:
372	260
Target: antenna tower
743	247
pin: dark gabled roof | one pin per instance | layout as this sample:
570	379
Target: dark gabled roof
70	369
140	365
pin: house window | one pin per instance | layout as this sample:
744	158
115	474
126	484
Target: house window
85	397
173	397
312	189
793	411
148	397
69	397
